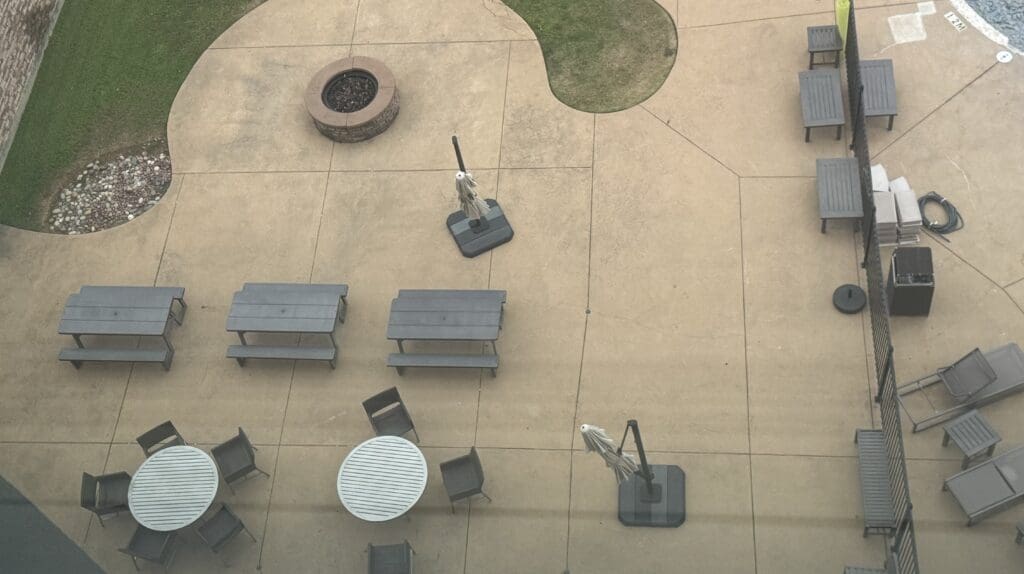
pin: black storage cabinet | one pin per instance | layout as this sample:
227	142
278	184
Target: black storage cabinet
911	281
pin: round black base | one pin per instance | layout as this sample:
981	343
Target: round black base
666	509
849	299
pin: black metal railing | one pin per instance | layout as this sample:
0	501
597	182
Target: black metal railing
902	542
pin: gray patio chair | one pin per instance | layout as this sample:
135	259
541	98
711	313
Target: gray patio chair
105	495
236	459
388	415
219	529
990	487
157	547
160	437
390	558
976	379
463	477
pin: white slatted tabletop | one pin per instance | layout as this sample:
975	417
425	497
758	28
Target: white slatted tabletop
382	478
173	488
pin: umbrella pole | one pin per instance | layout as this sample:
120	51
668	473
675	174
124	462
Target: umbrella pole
477	225
458	154
645	470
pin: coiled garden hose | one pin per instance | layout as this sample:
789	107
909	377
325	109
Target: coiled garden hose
954	221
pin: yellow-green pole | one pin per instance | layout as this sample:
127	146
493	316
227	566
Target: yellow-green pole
842	18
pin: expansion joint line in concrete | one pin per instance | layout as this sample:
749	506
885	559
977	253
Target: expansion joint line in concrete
583	345
690	141
876	154
746	368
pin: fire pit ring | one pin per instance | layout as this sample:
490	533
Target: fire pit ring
346	84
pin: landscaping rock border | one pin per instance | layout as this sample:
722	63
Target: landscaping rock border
109	193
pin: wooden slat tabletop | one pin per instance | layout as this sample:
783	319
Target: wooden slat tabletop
821	98
109	311
444	315
282	308
382	478
173	488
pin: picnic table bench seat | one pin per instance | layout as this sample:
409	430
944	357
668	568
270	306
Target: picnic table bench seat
876	493
76	356
402	360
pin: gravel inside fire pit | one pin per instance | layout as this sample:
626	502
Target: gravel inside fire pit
109	193
350	92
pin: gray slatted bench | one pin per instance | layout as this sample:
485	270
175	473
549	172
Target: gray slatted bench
296	308
839	195
120	311
445	315
821	101
879	89
876	494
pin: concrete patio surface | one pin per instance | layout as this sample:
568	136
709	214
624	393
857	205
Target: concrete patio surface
667	266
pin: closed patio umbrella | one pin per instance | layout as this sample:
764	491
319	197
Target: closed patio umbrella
597	440
471	204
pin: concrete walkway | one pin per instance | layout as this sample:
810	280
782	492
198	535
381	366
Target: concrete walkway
667	267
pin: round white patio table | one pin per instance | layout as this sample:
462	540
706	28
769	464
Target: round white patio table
173	488
382	478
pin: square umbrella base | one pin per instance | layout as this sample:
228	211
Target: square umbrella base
473	242
667	510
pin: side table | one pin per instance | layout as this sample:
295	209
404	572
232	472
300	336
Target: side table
822	40
972	435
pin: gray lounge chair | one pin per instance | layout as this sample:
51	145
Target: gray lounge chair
889	568
463	477
390	558
990	487
975	380
157	547
105	495
221	528
160	437
236	459
388	415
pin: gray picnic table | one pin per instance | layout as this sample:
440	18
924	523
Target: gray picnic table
445	315
879	89
296	308
839	195
121	311
821	101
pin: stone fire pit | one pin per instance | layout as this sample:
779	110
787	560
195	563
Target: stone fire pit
353	99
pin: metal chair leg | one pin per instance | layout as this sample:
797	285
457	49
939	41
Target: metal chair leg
484	494
417	435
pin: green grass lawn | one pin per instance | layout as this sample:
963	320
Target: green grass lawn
602	55
106	84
